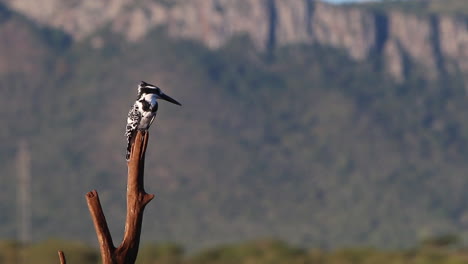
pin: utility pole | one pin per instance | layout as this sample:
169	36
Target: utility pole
23	194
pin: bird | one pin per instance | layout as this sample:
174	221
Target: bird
143	111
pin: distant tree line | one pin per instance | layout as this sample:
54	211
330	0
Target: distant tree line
441	250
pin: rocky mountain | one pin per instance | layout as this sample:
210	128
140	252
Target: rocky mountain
437	42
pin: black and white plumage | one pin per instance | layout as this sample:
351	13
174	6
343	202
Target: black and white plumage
143	111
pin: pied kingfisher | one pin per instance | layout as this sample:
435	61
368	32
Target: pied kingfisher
143	111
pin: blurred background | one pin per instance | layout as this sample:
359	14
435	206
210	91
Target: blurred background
307	128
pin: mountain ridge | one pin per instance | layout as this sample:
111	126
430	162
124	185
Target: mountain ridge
435	42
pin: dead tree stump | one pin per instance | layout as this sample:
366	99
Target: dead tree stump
137	199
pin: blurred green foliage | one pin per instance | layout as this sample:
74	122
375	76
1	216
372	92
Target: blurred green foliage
266	251
161	254
46	252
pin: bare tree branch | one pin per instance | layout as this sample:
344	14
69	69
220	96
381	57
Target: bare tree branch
137	199
100	224
62	257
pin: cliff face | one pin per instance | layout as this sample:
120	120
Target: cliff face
437	43
453	41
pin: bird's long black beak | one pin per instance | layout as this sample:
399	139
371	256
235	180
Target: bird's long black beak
169	99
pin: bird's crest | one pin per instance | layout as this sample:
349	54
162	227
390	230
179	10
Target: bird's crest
144	87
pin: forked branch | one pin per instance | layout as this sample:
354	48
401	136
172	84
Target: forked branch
137	199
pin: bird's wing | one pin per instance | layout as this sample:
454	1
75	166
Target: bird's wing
133	119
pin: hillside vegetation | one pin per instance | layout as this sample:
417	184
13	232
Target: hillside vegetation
301	143
441	250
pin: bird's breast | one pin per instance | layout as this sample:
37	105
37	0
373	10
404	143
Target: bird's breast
148	102
146	120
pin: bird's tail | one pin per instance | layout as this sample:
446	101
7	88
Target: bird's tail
130	140
129	148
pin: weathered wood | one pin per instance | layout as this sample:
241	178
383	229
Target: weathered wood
100	224
62	257
137	199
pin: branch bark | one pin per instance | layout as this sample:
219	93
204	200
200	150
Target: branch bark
100	224
137	199
62	257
